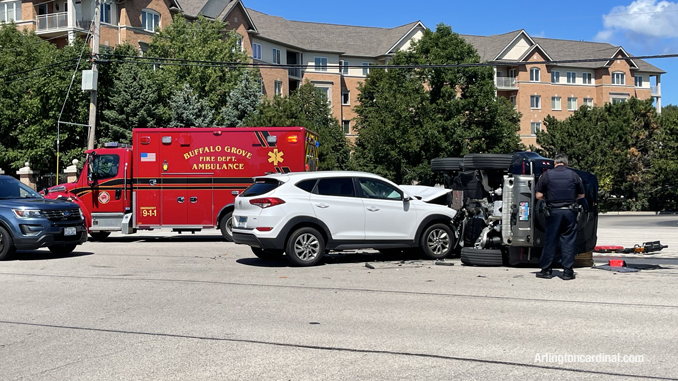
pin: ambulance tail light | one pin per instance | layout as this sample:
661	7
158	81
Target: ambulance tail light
292	139
266	202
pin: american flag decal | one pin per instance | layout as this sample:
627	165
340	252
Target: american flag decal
148	156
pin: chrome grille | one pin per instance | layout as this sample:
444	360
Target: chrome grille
62	214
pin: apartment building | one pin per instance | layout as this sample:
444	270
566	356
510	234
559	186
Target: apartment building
61	21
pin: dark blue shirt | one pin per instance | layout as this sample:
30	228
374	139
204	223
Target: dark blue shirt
560	186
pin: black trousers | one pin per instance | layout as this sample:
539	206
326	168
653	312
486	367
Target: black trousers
561	229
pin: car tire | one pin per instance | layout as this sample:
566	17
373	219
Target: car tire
226	226
7	248
62	249
446	164
487	161
305	247
267	254
481	257
99	236
438	241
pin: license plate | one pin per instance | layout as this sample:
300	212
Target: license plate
69	231
241	222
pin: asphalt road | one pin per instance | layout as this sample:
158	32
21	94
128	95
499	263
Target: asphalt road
164	307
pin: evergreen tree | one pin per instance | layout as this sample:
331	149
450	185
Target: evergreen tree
188	110
243	100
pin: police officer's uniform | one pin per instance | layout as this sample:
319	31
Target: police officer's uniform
560	187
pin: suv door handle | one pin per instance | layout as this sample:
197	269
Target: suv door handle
194	200
180	200
373	209
322	205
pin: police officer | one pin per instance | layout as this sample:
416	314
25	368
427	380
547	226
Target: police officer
560	187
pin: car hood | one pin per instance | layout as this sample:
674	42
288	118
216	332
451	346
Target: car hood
425	193
38	203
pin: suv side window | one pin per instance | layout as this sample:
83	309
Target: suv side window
306	185
105	166
336	186
373	188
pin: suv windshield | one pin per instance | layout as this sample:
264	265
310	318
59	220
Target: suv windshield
260	187
12	188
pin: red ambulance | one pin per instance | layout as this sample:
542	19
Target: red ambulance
185	179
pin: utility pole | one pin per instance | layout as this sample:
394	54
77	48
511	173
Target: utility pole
93	92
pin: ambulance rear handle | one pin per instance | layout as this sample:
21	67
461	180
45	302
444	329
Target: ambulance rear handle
180	200
194	200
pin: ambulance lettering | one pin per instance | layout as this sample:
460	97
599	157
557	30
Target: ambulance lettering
207	161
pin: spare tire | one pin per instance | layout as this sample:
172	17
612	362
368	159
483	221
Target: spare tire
445	164
481	257
487	161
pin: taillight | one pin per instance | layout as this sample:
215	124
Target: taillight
266	202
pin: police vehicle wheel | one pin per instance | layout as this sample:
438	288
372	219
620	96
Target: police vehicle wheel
305	247
267	254
226	227
7	248
438	241
487	161
62	249
481	257
445	164
99	236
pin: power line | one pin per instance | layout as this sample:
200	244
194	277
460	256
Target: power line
37	68
64	65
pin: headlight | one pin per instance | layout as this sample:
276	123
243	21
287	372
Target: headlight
27	213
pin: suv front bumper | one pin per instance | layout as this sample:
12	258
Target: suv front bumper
52	235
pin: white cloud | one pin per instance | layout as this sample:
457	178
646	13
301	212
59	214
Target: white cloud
649	18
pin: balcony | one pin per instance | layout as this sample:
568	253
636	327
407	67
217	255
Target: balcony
295	73
654	90
506	83
57	21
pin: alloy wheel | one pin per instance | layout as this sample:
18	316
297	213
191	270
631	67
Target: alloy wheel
307	247
438	241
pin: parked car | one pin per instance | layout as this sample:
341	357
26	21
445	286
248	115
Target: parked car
29	221
307	214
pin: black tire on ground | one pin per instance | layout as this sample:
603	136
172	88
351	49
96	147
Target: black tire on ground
481	257
7	248
62	249
267	254
487	161
305	247
99	236
446	164
226	226
438	241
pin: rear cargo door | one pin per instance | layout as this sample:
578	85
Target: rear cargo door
199	200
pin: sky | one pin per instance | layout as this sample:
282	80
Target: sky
641	27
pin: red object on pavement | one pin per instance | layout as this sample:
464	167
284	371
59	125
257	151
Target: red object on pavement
617	263
608	249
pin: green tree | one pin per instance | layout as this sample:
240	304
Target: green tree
307	107
243	100
665	164
408	116
188	110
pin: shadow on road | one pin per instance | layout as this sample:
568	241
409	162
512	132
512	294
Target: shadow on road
45	255
337	258
154	239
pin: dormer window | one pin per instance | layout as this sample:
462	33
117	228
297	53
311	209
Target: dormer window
618	78
535	75
150	20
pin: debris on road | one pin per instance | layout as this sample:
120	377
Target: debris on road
646	247
621	266
441	262
369	266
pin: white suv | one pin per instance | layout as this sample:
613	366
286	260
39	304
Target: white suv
306	214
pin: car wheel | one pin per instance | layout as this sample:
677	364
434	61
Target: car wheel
487	161
267	254
62	249
446	164
6	244
437	241
226	226
481	257
305	247
99	236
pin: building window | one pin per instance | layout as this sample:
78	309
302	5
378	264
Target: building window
555	103
555	76
535	101
639	80
346	126
588	102
618	100
320	64
256	51
512	73
276	56
327	92
278	88
344	67
106	13
534	75
571	104
512	98
366	68
586	78
571	77
345	98
150	20
10	11
535	127
618	78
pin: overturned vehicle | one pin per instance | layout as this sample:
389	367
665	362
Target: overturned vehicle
499	219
